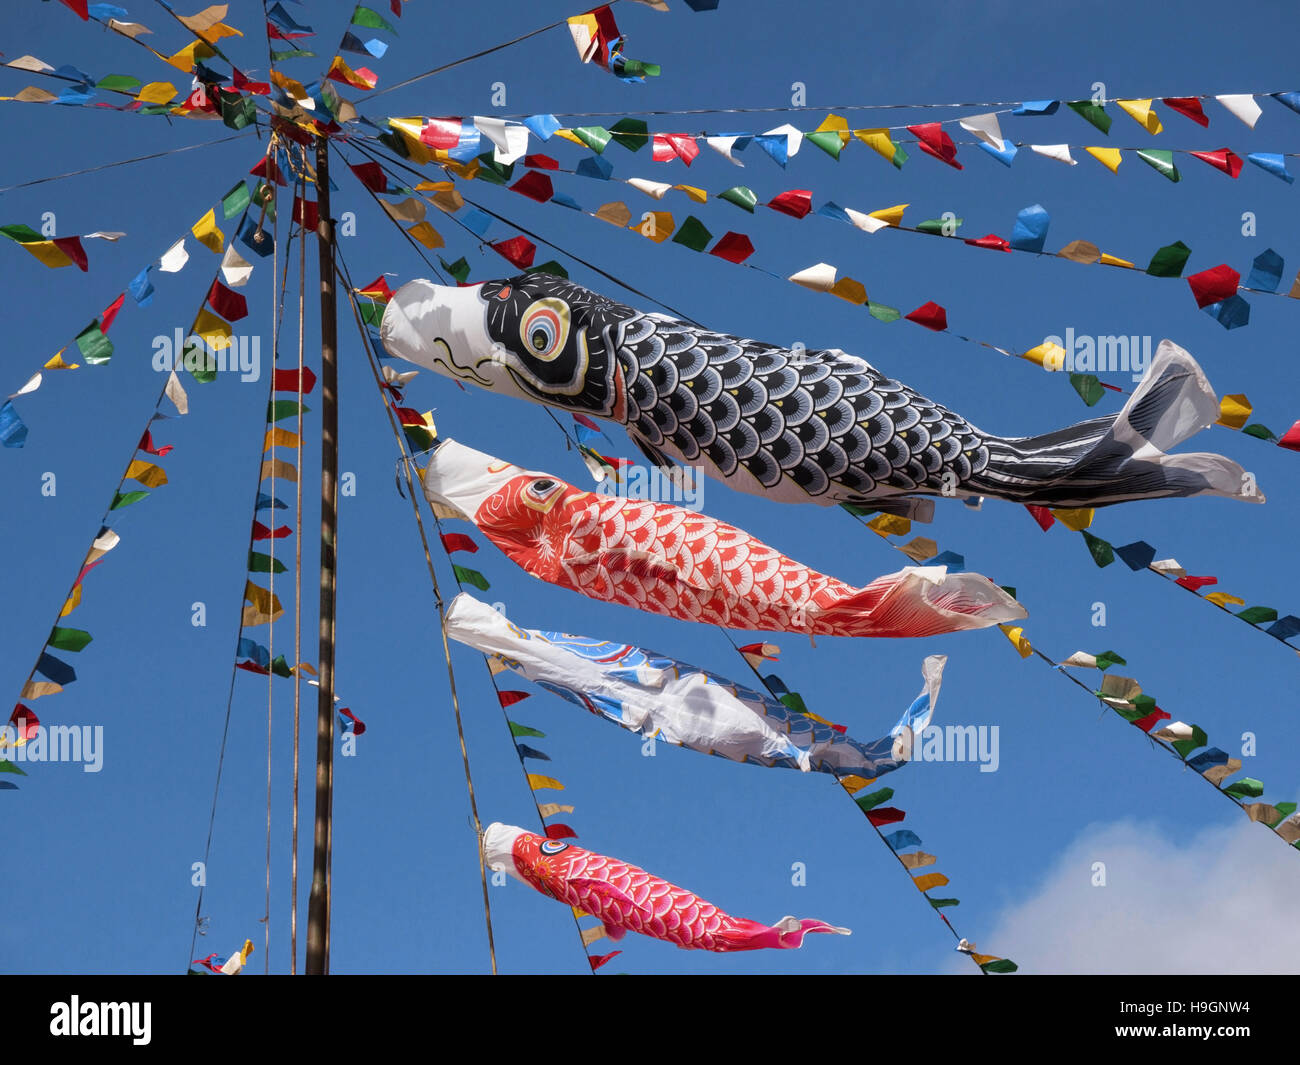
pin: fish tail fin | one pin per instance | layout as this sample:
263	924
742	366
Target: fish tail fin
786	934
922	601
1120	458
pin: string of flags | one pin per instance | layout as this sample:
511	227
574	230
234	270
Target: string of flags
900	841
419	432
734	247
1123	695
1141	556
209	335
231	966
598	39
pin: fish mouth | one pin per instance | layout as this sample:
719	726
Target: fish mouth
498	848
428	324
463	478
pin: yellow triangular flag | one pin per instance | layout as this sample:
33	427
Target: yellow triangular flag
215	331
537	781
1233	411
157	92
926	881
146	473
878	139
698	195
1114	260
892	215
1140	112
426	235
277	437
1017	638
835	124
1047	355
890	525
657	226
1110	158
206	232
57	362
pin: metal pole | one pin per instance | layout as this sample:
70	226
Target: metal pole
318	906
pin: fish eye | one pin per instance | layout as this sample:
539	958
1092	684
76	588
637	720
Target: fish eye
542	493
544	328
541	486
553	846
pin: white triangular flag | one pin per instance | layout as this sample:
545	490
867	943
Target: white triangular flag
819	278
986	128
1241	106
724	146
176	393
1059	152
509	138
655	189
865	222
235	268
31	386
1169	567
793	138
174	258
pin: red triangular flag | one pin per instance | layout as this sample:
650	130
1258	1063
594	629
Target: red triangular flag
885	815
110	312
534	185
930	315
541	162
1045	518
1224	159
441	132
287	380
377	289
146	445
458	542
358	726
261	532
24	719
734	247
597	960
560	831
1189	106
1214	285
71	247
1146	724
518	250
934	141
1196	583
254	88
79	7
1291	441
509	698
992	242
796	202
305	213
230	305
582	419
268	169
371	175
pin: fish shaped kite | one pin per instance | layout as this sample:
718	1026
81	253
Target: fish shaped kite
669	560
798	426
679	704
628	899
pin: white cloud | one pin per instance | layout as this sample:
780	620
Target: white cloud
1223	901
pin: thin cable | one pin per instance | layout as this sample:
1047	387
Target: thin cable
122	162
476	55
343	275
297	614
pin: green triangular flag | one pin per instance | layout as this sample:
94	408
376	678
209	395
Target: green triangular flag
1088	387
1160	159
234	201
1245	788
418	436
1094	113
548	267
492	172
280	667
282	408
471	576
1001	965
741	196
857	511
937	225
900	156
874	799
1143	705
1256	615
1169	260
372	313
263	563
68	639
292	53
594	137
638	68
939	904
795	702
882	313
517	729
459	269
827	140
363	16
7	766
24	234
1263	432
118	83
693	234
1102	553
95	348
125	499
1186	747
1008	589
631	133
239	112
1107	659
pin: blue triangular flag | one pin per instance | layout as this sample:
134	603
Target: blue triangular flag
1030	232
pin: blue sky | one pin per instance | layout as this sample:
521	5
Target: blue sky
102	861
